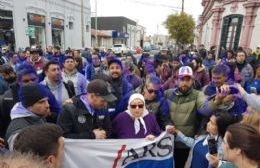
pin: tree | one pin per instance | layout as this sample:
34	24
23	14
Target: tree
180	27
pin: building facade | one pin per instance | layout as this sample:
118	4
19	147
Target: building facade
229	24
65	23
101	38
124	30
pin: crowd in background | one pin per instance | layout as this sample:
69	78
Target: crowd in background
92	94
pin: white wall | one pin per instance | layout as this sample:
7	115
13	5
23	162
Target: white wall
20	24
68	10
255	41
206	35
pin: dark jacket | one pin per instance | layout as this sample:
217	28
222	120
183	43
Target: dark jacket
21	118
160	109
7	101
11	97
78	123
122	89
186	111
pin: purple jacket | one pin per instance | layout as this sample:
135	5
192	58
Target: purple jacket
123	126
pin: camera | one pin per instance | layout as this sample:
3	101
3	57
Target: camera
212	145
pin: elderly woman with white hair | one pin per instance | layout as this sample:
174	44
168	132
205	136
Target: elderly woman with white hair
136	121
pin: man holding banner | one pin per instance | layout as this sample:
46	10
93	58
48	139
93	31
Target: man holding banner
119	153
83	119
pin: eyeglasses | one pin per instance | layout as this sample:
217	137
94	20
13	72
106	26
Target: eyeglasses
152	91
134	106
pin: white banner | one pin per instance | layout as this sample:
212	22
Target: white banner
119	153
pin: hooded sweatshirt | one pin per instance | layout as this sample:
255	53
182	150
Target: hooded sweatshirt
21	118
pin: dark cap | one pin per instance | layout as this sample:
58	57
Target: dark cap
115	60
32	93
67	57
102	89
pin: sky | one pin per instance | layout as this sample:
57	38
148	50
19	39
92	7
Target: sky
148	13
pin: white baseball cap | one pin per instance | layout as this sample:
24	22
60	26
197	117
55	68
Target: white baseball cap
185	71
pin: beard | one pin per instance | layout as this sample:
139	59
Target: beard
184	90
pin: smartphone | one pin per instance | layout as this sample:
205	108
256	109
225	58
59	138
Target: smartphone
232	90
212	145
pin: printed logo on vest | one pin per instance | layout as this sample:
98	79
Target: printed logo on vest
81	119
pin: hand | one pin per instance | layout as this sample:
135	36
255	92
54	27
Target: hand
213	160
68	101
221	93
2	143
228	99
150	137
99	134
240	89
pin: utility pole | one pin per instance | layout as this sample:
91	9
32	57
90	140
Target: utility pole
96	36
82	24
182	7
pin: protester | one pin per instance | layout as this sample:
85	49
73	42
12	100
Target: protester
58	56
253	86
186	105
251	118
219	98
32	109
89	69
120	87
36	60
200	74
209	63
136	121
252	99
244	71
155	101
83	118
44	141
26	75
215	128
8	74
70	73
171	81
53	80
18	160
97	64
241	146
49	53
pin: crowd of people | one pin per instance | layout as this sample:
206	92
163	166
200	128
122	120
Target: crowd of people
48	95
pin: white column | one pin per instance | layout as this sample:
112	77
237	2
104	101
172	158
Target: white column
20	24
48	30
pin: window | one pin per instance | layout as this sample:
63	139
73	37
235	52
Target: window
231	30
70	25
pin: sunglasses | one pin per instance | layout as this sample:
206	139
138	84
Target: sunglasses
134	106
152	91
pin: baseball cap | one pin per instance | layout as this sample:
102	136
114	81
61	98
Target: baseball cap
102	89
185	71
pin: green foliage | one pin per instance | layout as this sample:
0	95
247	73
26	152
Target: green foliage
180	27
